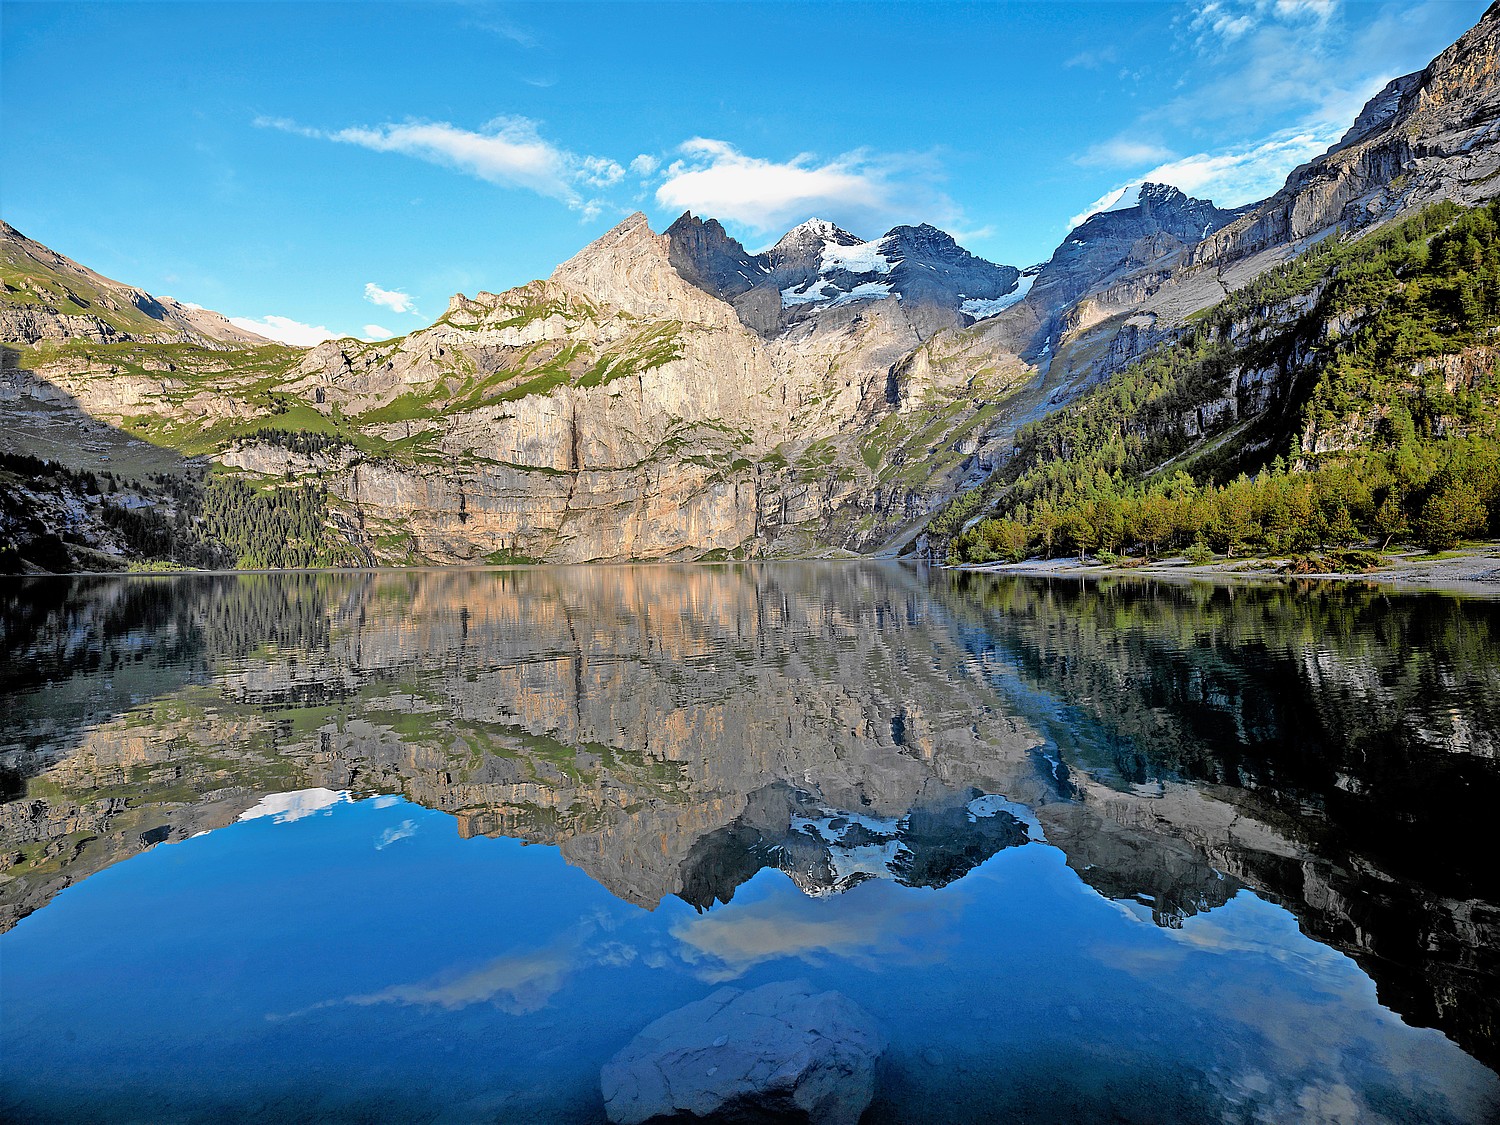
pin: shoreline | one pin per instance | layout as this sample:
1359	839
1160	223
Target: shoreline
1471	570
1467	570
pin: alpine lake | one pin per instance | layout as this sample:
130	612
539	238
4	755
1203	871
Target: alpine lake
433	846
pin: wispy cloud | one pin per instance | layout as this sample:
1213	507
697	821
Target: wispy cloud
1122	152
375	332
407	828
285	329
1230	177
1273	62
1093	59
516	984
394	299
507	151
859	188
1220	21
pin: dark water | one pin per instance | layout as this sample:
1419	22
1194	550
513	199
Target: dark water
432	846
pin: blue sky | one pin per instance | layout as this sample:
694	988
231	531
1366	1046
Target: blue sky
347	167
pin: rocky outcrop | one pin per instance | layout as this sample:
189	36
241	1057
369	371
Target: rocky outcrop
778	1051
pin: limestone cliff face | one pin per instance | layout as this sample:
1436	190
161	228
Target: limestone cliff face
616	410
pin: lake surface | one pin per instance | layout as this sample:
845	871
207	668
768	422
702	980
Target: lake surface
433	846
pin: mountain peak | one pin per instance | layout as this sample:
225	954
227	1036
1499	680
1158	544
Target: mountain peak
809	236
708	257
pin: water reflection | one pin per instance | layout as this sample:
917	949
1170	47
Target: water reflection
858	731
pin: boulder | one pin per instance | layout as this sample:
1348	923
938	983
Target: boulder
779	1052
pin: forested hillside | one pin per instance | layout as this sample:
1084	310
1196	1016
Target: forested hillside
1351	396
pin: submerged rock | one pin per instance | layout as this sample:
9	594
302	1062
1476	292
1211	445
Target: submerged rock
779	1051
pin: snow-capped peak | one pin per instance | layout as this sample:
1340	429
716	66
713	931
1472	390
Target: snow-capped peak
807	237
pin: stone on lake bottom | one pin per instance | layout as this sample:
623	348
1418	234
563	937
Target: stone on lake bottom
779	1051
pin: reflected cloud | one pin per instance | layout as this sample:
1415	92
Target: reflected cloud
517	984
873	923
402	831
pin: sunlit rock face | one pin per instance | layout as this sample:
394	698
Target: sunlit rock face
675	730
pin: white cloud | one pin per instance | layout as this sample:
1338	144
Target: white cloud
285	329
856	189
644	164
1234	176
1092	59
508	151
394	299
375	332
876	924
1228	20
1121	152
517	984
599	172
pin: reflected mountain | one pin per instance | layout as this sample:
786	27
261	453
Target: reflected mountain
674	730
827	851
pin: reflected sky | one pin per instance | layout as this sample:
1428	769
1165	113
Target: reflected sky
273	955
433	847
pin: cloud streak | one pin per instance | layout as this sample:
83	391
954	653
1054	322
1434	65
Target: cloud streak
1122	152
1230	177
506	151
875	924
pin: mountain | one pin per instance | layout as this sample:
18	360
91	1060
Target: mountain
50	297
675	396
1335	340
1150	226
818	265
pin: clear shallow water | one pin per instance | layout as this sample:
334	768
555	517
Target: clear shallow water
433	846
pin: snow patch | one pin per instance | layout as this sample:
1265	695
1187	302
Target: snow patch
865	291
808	294
862	257
1130	196
992	803
819	291
982	308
